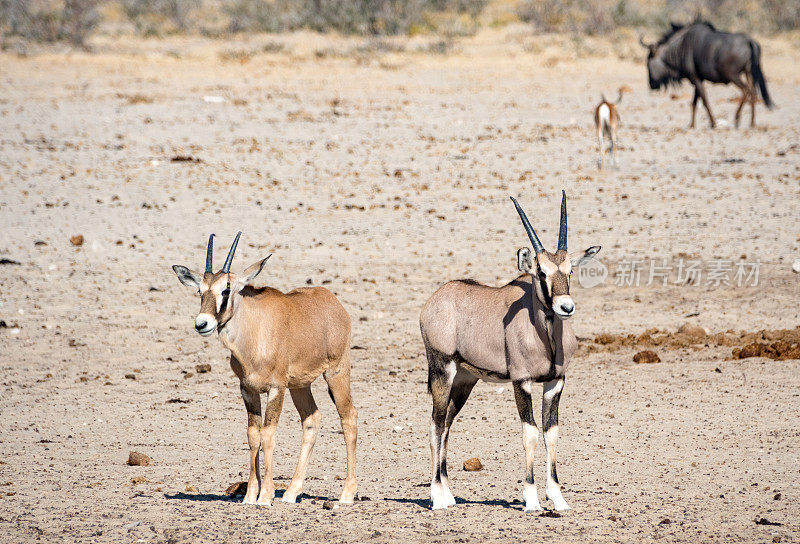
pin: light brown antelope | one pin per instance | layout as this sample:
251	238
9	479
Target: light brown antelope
606	122
516	333
278	341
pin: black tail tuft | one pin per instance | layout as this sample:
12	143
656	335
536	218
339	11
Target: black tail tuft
758	76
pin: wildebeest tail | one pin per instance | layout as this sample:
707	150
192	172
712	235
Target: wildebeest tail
758	75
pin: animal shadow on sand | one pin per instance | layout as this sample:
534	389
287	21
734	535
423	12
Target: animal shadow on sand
426	503
209	497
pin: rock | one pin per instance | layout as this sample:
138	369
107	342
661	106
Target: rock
138	480
327	505
188	375
550	514
473	465
136	459
665	521
202	369
76	240
236	489
777	497
796	266
191	489
693	332
646	357
130	376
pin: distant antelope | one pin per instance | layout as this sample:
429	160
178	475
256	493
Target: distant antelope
606	121
278	341
517	333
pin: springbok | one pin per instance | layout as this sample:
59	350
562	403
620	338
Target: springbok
278	341
516	333
606	121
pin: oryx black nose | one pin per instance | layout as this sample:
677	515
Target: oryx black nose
200	325
567	307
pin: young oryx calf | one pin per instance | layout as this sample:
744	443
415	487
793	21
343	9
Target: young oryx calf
278	341
606	121
517	333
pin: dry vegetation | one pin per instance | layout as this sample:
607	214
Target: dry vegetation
76	20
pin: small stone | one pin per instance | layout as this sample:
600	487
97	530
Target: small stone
665	521
203	368
138	480
695	333
130	376
796	266
191	489
646	357
138	459
473	465
236	489
327	505
188	375
76	240
777	497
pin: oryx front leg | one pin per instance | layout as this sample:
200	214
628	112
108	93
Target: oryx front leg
530	438
311	419
252	403
271	416
550	399
442	372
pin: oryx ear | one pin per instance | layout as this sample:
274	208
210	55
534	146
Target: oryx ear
255	269
587	256
524	261
187	277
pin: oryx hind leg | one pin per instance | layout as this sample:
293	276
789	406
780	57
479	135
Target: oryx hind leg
338	379
441	374
550	399
462	386
310	419
530	438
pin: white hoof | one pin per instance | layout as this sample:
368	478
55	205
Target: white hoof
558	502
531	499
290	499
441	497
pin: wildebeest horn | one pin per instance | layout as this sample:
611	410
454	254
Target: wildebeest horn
229	259
562	227
210	255
537	245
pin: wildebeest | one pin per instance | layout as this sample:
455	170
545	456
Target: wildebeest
699	52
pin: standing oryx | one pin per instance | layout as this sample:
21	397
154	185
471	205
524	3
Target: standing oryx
278	341
516	333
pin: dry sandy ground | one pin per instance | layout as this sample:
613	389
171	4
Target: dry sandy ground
382	175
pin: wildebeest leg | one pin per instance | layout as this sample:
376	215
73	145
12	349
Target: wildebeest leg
442	372
339	386
745	95
753	99
252	402
702	92
530	438
694	106
271	416
311	419
550	399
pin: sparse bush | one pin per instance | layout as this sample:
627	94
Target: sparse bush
148	15
50	20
